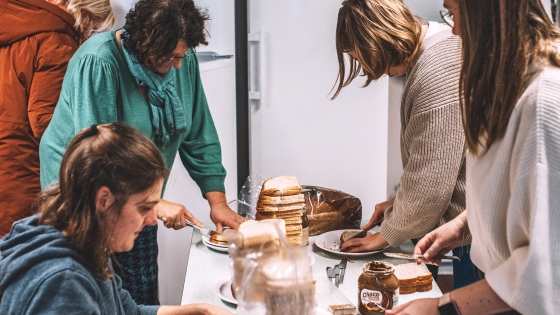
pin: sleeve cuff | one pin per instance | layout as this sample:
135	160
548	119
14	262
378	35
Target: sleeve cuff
392	236
213	183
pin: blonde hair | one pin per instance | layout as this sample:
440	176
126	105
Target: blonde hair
99	11
384	30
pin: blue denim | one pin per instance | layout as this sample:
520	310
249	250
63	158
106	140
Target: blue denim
464	270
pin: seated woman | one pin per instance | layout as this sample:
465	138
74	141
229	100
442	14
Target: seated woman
59	260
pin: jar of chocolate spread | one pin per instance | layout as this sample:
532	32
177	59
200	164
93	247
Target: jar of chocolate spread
378	288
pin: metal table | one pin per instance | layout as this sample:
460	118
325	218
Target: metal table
207	268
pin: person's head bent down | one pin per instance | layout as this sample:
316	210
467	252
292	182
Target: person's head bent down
111	178
379	36
158	33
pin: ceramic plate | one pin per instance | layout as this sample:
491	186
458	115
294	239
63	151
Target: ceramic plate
330	242
220	248
223	291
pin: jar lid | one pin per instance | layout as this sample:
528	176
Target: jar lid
378	267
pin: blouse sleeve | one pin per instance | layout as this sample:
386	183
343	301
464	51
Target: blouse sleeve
94	93
201	152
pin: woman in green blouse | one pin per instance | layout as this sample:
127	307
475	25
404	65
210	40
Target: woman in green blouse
147	76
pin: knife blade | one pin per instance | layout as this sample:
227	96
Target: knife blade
204	231
407	256
342	267
336	275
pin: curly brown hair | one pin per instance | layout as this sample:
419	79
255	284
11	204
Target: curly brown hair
154	27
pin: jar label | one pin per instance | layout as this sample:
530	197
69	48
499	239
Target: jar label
375	300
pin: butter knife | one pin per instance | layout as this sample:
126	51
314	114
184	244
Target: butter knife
407	256
204	231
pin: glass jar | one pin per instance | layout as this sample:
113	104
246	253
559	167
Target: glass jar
378	288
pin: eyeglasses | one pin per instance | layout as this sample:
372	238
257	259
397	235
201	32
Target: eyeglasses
447	16
180	58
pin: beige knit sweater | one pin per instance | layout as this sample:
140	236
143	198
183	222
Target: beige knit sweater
432	188
513	193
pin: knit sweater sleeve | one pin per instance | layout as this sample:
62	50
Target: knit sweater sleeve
201	152
434	144
528	277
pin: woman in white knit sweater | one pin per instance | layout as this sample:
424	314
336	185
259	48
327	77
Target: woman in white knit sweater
384	37
510	80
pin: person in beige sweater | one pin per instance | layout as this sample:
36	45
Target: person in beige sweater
510	80
384	37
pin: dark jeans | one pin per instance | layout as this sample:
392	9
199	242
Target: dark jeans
463	270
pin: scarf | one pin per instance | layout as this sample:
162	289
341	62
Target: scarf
168	116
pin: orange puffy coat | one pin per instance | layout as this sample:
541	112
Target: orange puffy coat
37	39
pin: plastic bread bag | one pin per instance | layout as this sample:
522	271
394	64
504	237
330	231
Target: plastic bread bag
248	196
330	209
269	276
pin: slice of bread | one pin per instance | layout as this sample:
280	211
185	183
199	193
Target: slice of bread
288	220
281	186
345	236
408	284
267	200
412	271
258	232
407	290
293	227
284	207
424	288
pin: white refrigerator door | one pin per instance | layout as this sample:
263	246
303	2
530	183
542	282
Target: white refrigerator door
295	128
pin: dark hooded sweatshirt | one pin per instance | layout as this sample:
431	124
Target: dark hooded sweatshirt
40	273
37	39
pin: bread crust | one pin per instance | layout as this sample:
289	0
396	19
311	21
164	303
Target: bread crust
268	200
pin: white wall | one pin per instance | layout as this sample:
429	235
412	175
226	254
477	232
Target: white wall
297	130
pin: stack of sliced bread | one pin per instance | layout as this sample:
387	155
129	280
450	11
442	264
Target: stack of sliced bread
281	198
413	278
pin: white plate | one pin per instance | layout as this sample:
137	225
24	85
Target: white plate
223	291
220	248
330	242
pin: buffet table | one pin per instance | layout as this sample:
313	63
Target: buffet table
208	268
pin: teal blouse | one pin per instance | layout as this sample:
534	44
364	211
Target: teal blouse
98	89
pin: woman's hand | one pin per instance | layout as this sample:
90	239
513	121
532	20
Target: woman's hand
379	213
417	307
366	244
442	240
173	213
221	214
